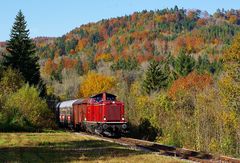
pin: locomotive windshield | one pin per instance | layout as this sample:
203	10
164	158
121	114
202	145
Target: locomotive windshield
111	98
100	97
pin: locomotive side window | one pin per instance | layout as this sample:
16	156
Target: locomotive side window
98	99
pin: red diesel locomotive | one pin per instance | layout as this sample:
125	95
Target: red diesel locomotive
101	114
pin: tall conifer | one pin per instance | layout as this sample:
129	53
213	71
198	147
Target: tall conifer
21	52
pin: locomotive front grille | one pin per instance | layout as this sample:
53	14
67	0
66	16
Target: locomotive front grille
113	113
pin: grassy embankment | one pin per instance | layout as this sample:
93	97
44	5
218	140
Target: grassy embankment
68	147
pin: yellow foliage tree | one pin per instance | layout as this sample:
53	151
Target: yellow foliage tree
96	83
216	126
229	85
11	81
81	44
233	19
104	56
230	82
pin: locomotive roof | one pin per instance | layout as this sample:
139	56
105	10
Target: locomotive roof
79	101
66	103
100	94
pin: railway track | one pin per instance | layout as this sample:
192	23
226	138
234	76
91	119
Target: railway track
182	153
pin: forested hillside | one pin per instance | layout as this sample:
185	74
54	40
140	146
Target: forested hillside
140	37
176	70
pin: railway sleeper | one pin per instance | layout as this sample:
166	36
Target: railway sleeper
185	153
164	147
229	159
161	151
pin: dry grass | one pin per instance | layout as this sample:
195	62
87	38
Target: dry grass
68	147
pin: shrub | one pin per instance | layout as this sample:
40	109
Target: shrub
26	109
11	81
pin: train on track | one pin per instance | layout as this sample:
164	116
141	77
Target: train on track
101	114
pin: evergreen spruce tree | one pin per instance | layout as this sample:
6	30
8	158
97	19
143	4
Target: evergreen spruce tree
184	64
131	63
79	67
91	63
203	64
90	59
21	52
156	77
216	67
169	66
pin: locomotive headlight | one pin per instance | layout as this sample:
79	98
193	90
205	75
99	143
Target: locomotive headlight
104	118
85	118
123	118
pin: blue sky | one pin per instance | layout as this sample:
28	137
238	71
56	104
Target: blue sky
57	17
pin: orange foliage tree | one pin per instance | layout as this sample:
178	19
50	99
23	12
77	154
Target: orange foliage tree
69	63
193	82
95	83
191	44
201	22
81	44
72	52
49	67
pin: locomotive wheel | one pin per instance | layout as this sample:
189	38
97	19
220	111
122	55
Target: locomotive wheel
78	128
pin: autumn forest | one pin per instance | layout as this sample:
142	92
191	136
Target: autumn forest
177	71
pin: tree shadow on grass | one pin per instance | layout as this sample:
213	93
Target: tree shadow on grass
86	150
